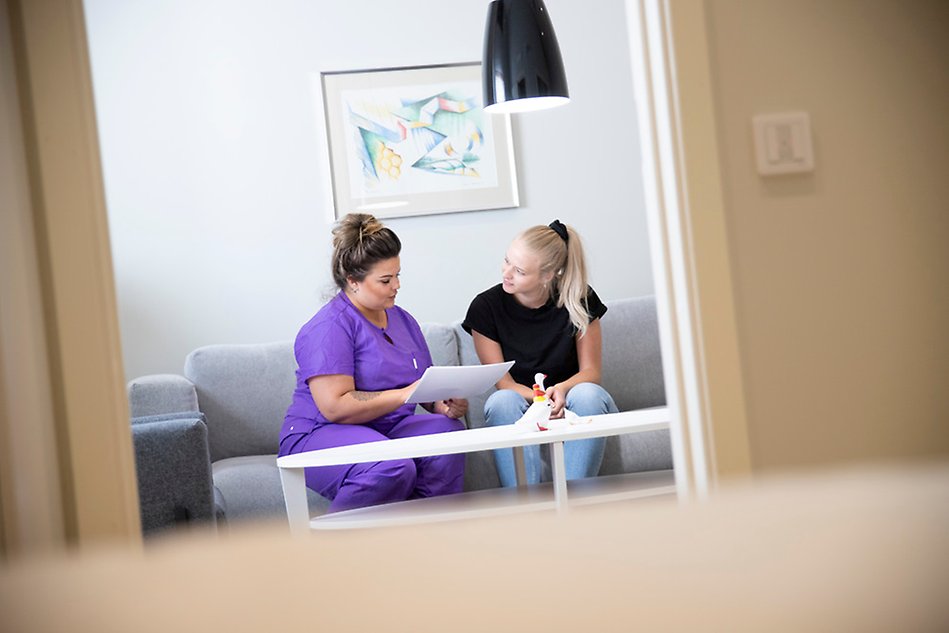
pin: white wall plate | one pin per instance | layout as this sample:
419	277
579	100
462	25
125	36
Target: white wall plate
783	143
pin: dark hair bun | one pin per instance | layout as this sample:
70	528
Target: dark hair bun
359	242
353	228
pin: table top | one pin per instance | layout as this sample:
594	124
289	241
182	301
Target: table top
486	438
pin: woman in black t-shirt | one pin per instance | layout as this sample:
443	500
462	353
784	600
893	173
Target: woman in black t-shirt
545	317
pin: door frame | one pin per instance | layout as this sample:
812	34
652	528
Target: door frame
685	212
65	437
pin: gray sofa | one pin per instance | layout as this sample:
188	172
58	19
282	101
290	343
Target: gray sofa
174	473
242	392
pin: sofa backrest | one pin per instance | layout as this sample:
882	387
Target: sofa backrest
244	392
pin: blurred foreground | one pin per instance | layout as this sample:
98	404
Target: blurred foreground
848	550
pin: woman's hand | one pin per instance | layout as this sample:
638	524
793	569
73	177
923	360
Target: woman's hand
557	394
407	390
453	408
590	354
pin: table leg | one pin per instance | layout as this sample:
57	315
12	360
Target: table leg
520	469
294	495
558	472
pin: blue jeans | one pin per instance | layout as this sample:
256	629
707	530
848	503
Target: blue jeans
581	457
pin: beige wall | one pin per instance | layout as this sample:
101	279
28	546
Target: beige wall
841	277
66	464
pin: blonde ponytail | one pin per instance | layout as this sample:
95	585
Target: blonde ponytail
565	259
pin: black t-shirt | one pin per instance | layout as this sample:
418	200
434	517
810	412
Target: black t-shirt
538	340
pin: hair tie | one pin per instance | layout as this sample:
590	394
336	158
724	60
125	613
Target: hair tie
559	229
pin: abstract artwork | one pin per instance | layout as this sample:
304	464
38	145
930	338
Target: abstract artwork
415	141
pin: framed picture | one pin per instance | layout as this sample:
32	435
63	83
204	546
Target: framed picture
416	141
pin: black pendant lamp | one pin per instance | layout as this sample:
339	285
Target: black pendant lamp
522	68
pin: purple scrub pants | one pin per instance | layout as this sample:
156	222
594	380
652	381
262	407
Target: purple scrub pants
360	485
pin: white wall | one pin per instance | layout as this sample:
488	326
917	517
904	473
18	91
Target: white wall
217	179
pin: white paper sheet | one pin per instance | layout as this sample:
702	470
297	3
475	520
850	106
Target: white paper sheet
442	383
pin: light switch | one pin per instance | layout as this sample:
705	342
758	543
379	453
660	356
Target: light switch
783	143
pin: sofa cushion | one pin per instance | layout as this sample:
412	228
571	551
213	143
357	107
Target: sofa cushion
244	390
632	373
441	343
480	471
468	356
632	361
250	488
636	453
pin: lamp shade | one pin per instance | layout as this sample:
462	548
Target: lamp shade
522	68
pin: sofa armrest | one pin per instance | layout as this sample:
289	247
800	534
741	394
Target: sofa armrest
161	394
173	469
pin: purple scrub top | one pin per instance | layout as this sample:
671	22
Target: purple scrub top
340	340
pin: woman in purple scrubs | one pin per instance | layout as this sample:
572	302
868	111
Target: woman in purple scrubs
358	359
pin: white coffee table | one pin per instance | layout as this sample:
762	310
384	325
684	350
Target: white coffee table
481	503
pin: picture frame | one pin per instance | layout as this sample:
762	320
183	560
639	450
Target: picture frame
416	140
